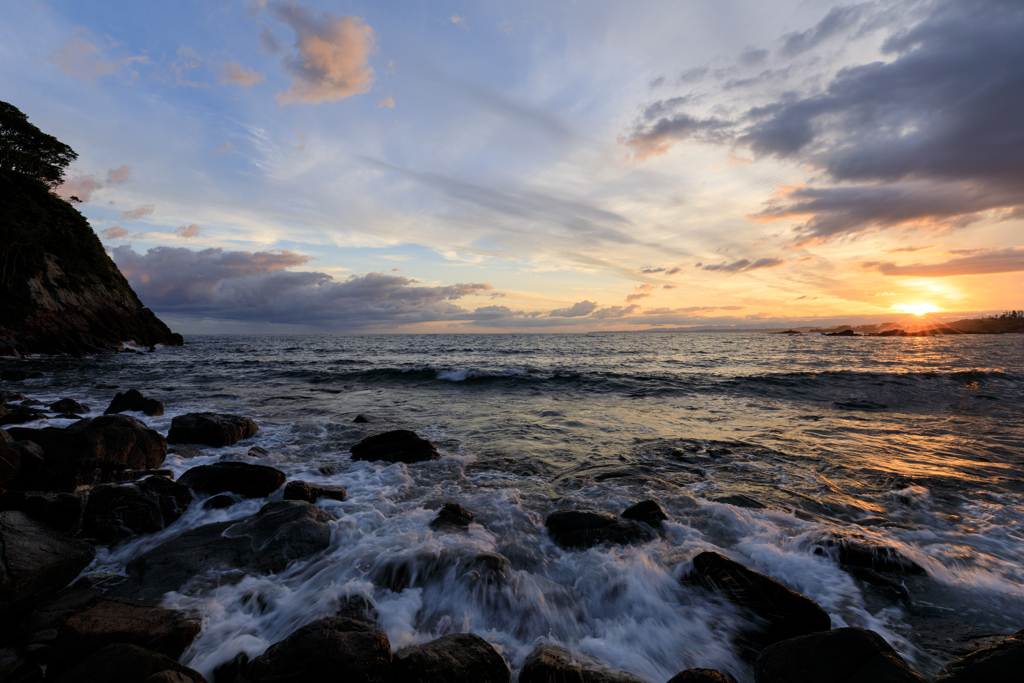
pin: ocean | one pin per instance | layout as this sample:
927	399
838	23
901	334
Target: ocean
916	444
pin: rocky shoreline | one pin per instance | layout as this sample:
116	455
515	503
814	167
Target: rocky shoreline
65	492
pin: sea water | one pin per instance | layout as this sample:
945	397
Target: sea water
914	443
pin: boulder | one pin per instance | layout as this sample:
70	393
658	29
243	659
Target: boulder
183	450
67	405
452	517
325	650
15	668
702	676
360	419
266	542
550	664
576	529
121	620
400	445
303	490
62	511
11	375
843	655
5	438
783	613
856	551
37	561
646	511
135	401
455	658
16	415
357	607
51	614
124	663
118	511
168	676
211	429
229	670
1003	661
251	481
94	450
221	501
741	501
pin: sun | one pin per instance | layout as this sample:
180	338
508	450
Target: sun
916	309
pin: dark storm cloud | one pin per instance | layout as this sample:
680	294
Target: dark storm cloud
981	262
931	135
753	57
744	265
256	287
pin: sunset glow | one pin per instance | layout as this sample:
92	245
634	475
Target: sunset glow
916	309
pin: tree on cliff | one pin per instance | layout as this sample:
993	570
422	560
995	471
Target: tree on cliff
26	149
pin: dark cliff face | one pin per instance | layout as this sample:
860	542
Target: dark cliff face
59	290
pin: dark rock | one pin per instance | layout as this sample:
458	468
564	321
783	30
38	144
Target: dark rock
94	450
646	511
21	464
51	614
257	452
17	669
124	663
328	649
843	655
549	664
16	415
741	501
221	501
360	419
120	620
884	586
118	511
11	375
855	550
32	402
701	676
134	400
784	613
62	511
455	658
167	676
357	607
5	438
327	470
452	517
400	445
1001	662
212	429
251	481
37	561
302	490
263	543
183	450
67	405
583	529
229	670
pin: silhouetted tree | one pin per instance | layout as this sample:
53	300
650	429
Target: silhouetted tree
26	149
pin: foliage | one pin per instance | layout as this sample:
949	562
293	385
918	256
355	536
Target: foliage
26	149
1011	315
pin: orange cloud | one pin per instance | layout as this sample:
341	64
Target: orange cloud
114	233
637	297
119	174
80	56
645	287
231	72
138	213
188	231
388	102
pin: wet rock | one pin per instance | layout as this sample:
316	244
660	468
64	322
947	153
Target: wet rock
1001	662
67	405
120	620
212	429
266	542
168	676
5	438
62	511
550	664
843	655
118	511
361	419
398	446
37	561
576	529
303	490
702	676
229	670
455	658
21	465
51	614
646	511
134	400
328	649
452	517
11	375
257	452
221	501
783	612
124	663
357	607
17	669
857	551
183	450
741	501
884	587
94	450
251	481
16	415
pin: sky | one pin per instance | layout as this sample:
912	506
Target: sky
542	166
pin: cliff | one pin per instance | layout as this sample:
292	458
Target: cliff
59	290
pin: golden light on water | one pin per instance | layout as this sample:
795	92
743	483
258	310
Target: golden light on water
916	309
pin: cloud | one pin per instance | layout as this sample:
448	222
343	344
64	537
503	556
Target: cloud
753	57
577	310
224	149
645	287
744	265
637	297
232	72
188	231
898	250
114	233
616	312
929	136
258	287
690	310
388	102
333	50
82	186
135	214
267	42
119	175
986	262
670	287
459	21
80	56
187	60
